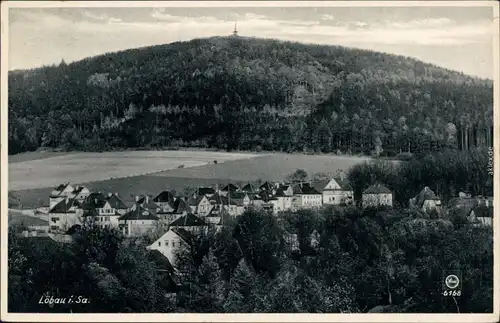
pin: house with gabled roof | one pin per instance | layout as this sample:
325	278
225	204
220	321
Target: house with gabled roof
191	223
146	202
164	200
426	200
335	191
284	198
225	202
217	217
377	195
200	205
60	193
64	215
137	222
177	209
104	211
305	196
171	241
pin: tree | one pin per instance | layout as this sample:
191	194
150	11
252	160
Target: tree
299	175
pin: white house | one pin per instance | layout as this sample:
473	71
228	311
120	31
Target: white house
64	215
200	205
137	222
335	191
170	242
426	200
377	195
305	197
60	193
104	211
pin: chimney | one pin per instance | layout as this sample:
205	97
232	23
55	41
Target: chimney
95	201
116	194
147	199
136	198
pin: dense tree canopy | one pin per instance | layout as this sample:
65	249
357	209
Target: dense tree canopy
249	93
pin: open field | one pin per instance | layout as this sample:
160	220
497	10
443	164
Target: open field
273	167
270	167
88	167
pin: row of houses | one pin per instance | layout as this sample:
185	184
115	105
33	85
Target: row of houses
181	219
69	205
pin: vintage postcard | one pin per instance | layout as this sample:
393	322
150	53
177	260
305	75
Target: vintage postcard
234	161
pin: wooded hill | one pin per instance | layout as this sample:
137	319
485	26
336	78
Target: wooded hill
248	93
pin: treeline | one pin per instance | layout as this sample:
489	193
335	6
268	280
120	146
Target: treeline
343	261
447	173
241	93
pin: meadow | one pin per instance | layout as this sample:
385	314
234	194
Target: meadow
85	167
254	168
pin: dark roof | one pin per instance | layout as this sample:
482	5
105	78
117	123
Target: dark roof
164	197
90	212
194	201
94	200
238	195
77	190
297	189
183	234
188	220
267	186
483	211
64	205
204	191
230	187
308	189
160	261
249	188
280	192
138	214
377	189
180	206
424	195
116	202
320	185
343	183
61	187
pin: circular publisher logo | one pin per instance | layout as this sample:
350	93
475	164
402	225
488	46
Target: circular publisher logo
452	281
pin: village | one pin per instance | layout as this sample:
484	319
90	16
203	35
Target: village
179	218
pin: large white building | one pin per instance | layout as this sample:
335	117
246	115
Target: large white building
335	191
305	196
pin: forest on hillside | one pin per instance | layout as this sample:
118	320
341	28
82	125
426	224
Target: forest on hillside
249	94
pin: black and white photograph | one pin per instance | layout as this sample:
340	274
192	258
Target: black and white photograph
241	158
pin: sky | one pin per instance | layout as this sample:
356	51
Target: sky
458	38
